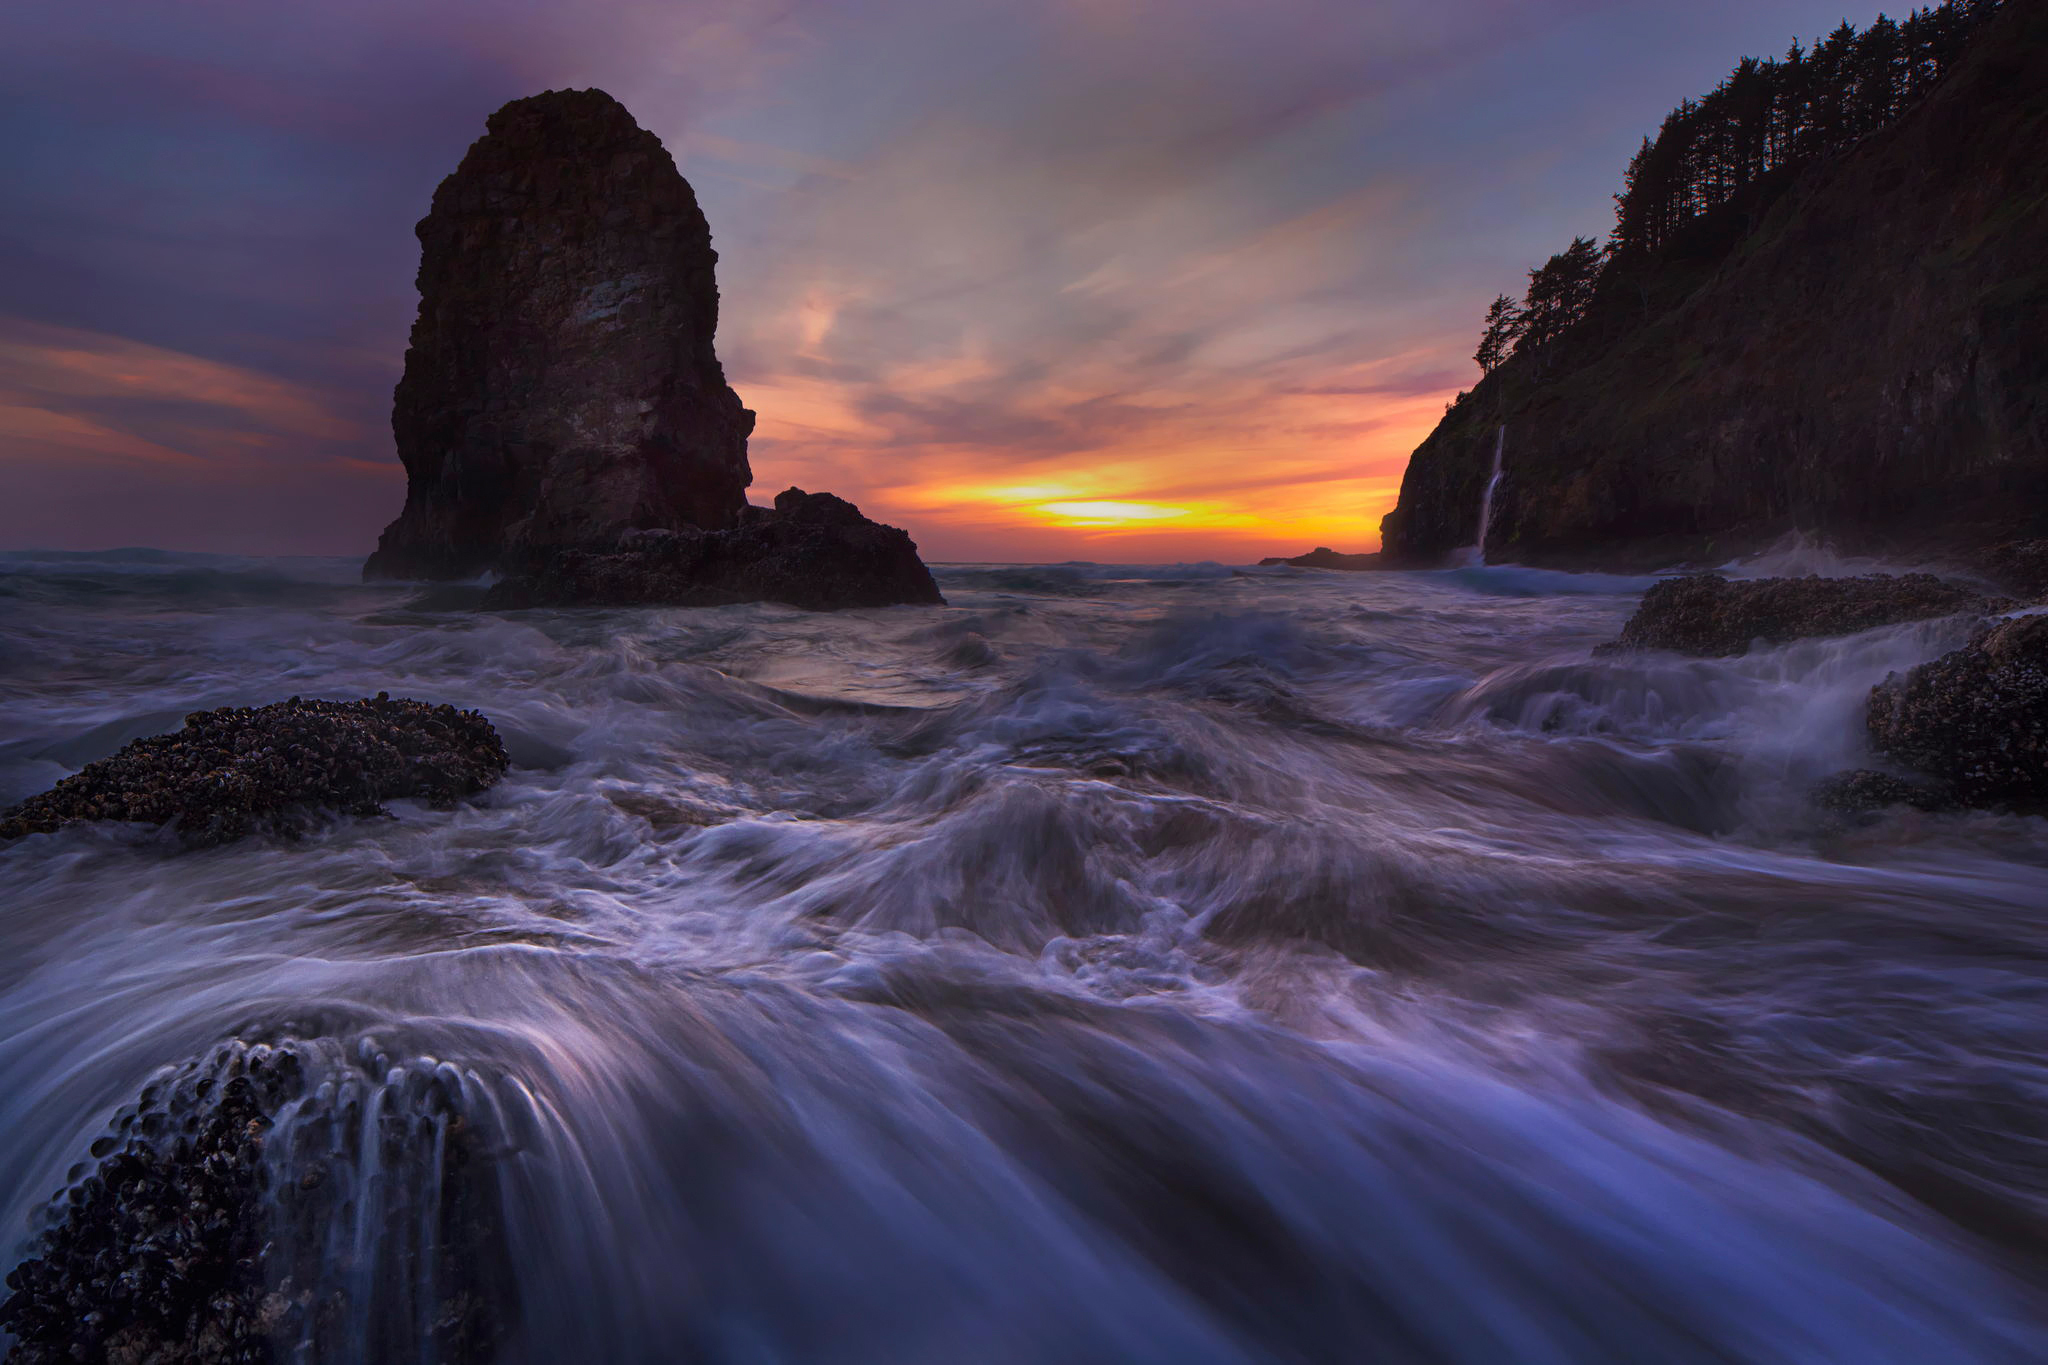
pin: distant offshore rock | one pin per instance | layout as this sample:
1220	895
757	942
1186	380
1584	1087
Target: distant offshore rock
562	391
1323	557
1709	616
276	769
813	551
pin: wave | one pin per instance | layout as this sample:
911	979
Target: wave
1201	969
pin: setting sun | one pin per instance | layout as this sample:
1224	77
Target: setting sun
1110	513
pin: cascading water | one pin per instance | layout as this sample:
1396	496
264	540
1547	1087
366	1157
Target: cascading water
1117	965
1500	440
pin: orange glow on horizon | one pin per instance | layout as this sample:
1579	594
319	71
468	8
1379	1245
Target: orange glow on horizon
1236	481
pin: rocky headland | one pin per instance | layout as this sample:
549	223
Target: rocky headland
277	769
561	389
1849	343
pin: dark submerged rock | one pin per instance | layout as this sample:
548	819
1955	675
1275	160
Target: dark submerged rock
1708	616
561	384
1323	557
1977	718
276	769
201	1231
813	550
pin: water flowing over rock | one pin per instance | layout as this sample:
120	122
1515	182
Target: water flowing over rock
561	384
272	1203
1709	616
276	769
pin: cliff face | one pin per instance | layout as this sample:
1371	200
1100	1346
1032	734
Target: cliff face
1861	352
561	384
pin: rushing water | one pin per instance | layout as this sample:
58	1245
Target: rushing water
1117	965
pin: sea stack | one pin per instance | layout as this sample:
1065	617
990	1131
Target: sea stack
561	385
561	393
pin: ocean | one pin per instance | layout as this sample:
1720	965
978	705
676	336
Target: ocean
1120	964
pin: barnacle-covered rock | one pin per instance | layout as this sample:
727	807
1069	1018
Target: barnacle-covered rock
258	1207
276	769
1976	718
1708	615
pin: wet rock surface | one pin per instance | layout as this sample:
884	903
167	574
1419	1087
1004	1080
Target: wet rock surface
1323	557
813	550
561	385
1977	718
1709	616
276	769
221	1221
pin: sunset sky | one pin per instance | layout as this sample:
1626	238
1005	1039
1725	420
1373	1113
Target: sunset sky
1036	279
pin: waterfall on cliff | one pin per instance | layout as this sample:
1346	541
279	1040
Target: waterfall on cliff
1500	438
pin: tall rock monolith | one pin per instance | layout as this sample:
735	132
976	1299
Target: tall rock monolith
561	387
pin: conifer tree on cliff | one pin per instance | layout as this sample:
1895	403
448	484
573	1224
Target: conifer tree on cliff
1559	292
1503	330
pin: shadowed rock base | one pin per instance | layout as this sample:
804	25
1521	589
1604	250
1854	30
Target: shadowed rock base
276	769
1708	616
813	551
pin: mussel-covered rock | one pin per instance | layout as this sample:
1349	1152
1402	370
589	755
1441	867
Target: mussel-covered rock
1708	615
276	769
258	1207
812	550
1977	719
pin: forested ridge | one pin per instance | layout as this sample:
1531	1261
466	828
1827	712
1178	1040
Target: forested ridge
1719	156
1821	310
